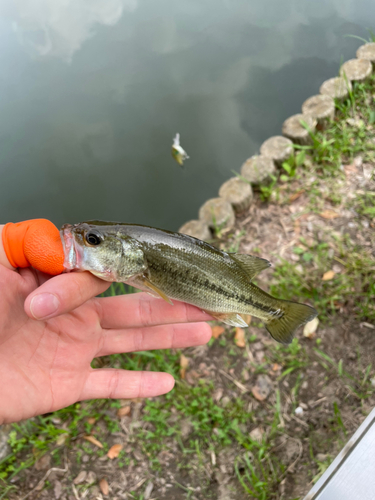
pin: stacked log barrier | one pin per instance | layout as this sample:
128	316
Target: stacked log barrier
367	51
356	70
197	229
238	193
259	169
320	107
217	214
337	88
294	130
278	148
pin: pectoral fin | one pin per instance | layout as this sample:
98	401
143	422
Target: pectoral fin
252	265
232	319
157	290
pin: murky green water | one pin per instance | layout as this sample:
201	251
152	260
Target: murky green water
92	93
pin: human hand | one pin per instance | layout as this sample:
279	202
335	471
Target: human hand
45	363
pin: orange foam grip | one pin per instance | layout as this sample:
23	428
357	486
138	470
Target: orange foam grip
35	243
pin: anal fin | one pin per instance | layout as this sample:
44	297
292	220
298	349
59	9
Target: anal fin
232	319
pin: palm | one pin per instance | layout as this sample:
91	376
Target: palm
45	365
47	361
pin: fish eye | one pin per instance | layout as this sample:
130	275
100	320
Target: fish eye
93	238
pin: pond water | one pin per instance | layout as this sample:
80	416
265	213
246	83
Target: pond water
93	91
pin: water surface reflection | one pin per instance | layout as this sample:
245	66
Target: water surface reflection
92	93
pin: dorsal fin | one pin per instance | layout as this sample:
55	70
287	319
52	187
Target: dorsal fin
251	264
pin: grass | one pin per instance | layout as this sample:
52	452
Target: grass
352	288
256	474
364	205
210	422
291	357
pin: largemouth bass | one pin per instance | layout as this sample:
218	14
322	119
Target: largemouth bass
176	266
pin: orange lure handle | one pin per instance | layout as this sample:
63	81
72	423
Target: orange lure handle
35	243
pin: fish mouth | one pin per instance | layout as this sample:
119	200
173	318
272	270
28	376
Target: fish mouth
72	253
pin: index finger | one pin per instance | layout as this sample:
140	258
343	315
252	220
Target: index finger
140	309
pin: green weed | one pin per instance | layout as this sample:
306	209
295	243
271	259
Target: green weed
267	190
257	474
353	288
291	165
291	357
364	204
322	467
210	422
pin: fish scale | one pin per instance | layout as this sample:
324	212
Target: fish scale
176	266
181	288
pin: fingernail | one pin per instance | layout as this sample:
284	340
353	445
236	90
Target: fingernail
43	305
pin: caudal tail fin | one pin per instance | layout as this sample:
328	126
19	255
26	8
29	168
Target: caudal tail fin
294	315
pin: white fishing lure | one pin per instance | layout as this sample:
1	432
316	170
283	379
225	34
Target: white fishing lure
178	153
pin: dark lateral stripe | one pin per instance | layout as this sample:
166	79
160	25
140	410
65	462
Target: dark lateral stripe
241	298
208	285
